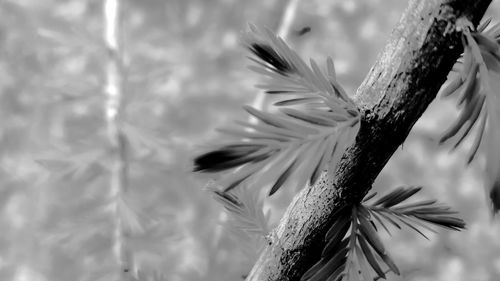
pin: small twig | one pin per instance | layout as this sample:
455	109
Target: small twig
287	19
282	31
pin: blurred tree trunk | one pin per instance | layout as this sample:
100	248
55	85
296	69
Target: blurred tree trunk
402	83
116	138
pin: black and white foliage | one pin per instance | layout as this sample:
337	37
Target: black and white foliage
315	123
353	249
246	221
475	81
245	209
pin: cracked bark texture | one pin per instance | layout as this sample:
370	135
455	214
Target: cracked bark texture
404	80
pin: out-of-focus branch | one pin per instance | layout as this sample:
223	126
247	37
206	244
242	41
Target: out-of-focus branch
114	102
287	18
282	31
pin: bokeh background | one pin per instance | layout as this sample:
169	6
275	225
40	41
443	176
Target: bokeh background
186	75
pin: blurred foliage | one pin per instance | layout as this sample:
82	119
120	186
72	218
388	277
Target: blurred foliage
185	76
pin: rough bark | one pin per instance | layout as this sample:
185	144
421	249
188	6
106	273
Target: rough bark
402	83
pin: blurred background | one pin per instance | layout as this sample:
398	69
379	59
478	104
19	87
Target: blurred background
186	75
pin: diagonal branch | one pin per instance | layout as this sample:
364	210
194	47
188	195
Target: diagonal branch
402	83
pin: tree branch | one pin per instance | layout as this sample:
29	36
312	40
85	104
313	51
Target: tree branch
402	83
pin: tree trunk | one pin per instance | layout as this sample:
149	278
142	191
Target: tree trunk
114	92
405	79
